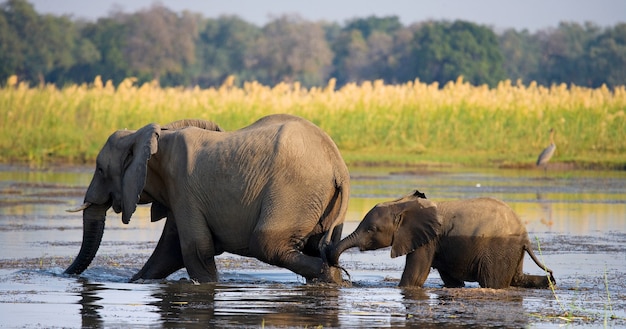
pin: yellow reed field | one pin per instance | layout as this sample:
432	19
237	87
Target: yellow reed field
412	122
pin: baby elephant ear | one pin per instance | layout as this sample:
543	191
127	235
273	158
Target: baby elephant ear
419	194
419	223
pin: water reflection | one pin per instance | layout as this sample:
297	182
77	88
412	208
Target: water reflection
283	305
89	301
546	209
110	304
578	216
477	307
179	303
184	303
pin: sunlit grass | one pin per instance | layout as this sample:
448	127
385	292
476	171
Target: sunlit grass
407	123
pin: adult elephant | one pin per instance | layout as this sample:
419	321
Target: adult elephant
276	190
476	240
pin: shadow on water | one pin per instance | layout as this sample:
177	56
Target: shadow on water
576	220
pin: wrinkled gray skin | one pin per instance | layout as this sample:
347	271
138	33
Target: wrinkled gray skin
477	240
276	190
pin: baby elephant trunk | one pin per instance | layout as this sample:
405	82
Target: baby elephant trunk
348	242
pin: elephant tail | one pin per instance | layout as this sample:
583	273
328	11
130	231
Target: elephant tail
335	214
535	259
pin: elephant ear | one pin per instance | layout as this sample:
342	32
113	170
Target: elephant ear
419	194
418	223
143	143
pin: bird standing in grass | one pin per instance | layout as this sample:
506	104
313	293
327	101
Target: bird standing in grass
547	153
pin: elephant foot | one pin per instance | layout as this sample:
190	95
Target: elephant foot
331	274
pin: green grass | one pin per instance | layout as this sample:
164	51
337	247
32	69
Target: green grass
372	122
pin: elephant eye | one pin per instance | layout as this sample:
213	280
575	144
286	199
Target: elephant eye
100	171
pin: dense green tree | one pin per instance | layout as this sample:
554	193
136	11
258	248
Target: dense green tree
10	56
23	24
607	58
71	51
522	55
291	49
107	36
562	53
381	57
41	43
159	42
221	50
350	50
187	49
403	64
364	50
444	51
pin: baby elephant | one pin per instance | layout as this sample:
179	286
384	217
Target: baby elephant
479	240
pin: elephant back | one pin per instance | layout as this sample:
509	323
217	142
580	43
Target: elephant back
480	217
202	124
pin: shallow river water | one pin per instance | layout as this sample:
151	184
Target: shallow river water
577	220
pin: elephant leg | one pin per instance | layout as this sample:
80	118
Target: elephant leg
530	281
166	258
289	220
197	248
314	269
201	269
494	281
417	266
281	249
449	281
497	268
199	258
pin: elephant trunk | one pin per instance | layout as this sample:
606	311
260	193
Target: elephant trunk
93	228
346	243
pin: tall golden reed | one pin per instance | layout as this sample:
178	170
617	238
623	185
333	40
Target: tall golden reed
411	122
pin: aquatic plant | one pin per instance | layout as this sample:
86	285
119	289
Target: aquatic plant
572	312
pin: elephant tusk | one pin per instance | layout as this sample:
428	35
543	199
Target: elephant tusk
80	208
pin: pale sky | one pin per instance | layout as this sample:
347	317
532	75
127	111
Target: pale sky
499	14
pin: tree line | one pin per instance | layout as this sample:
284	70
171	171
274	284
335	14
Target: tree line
157	44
